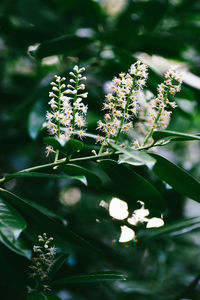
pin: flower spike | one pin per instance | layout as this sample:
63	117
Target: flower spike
156	114
121	104
68	113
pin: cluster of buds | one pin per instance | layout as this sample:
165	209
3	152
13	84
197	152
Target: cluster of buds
42	261
68	112
121	105
155	114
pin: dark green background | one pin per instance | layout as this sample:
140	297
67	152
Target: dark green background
159	266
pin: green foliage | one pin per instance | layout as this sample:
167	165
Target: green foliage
11	226
178	178
69	198
134	157
166	135
89	278
68	148
42	296
129	185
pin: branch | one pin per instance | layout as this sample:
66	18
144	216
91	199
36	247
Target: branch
54	164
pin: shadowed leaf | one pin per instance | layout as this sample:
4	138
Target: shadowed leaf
89	278
178	178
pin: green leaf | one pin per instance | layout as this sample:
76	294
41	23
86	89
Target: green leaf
18	246
131	186
167	135
68	148
72	146
11	220
134	157
45	175
72	169
172	229
67	44
11	226
47	212
52	142
65	238
89	278
158	9
42	296
178	178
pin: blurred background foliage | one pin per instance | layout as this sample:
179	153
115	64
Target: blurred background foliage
43	38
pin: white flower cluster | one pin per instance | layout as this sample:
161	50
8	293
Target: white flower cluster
68	112
118	209
155	113
121	105
140	216
42	261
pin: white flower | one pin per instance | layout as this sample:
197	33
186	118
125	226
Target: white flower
83	78
81	87
139	215
118	209
49	150
54	88
122	104
58	78
68	91
79	120
52	251
35	248
68	112
82	69
80	133
72	74
70	86
99	139
155	114
49	116
51	94
76	69
155	222
127	234
84	95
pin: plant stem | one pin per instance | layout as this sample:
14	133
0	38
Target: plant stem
45	166
125	111
152	129
111	119
73	108
101	149
64	161
156	120
57	163
59	95
93	157
56	156
146	147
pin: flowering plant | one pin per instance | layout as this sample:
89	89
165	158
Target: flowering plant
133	125
122	107
68	111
